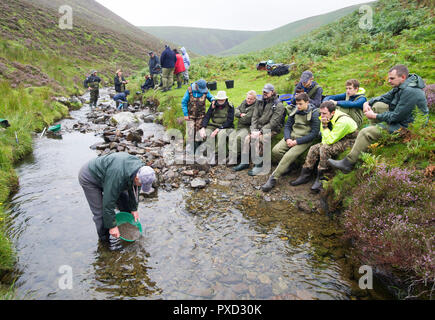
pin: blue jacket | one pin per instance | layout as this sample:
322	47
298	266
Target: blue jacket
196	94
357	101
120	96
168	58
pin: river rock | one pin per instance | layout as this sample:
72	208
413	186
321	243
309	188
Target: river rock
198	183
264	279
304	295
124	118
252	291
135	136
239	288
149	118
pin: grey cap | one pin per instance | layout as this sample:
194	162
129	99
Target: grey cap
306	76
268	88
146	177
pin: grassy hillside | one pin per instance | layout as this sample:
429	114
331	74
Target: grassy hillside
387	202
287	32
201	40
39	61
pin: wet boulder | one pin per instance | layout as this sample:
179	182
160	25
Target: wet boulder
124	118
198	183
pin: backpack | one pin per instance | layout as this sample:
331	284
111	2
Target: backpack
278	70
85	83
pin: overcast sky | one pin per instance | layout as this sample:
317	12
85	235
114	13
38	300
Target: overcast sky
253	15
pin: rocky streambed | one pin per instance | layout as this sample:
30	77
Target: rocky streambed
209	233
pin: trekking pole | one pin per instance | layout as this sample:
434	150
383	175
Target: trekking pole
16	138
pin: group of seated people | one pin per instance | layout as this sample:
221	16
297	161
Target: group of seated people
325	126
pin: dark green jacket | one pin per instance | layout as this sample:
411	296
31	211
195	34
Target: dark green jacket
245	122
402	101
269	116
115	174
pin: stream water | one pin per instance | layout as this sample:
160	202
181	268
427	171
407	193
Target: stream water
207	244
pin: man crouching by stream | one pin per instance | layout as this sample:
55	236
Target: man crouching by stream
113	181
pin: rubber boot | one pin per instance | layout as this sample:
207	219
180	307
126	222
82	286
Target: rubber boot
344	165
269	185
317	185
256	169
303	178
179	84
240	167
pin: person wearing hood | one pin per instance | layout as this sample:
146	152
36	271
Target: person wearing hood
113	181
186	61
339	132
121	100
179	68
389	112
351	102
93	84
312	88
193	106
167	61
301	130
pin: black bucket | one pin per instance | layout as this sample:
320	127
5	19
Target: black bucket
212	85
229	84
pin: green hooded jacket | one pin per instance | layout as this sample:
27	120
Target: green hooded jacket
402	101
269	116
115	174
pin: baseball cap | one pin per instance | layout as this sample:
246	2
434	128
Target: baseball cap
202	86
146	177
306	76
268	88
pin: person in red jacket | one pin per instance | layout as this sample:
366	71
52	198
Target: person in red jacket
179	68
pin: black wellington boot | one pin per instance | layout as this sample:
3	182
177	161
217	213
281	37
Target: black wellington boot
344	165
269	185
303	178
317	185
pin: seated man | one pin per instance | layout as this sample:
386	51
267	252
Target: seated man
338	131
149	84
300	132
121	100
351	102
312	88
244	113
219	118
395	108
267	121
193	105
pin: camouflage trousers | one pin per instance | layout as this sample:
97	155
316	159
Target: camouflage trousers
322	152
94	97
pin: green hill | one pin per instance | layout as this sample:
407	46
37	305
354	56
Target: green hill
201	40
287	32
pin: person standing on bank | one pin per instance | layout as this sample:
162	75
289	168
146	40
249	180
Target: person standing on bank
119	82
167	61
179	68
113	181
186	60
155	68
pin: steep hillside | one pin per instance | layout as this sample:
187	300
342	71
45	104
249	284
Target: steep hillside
34	51
200	40
287	32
